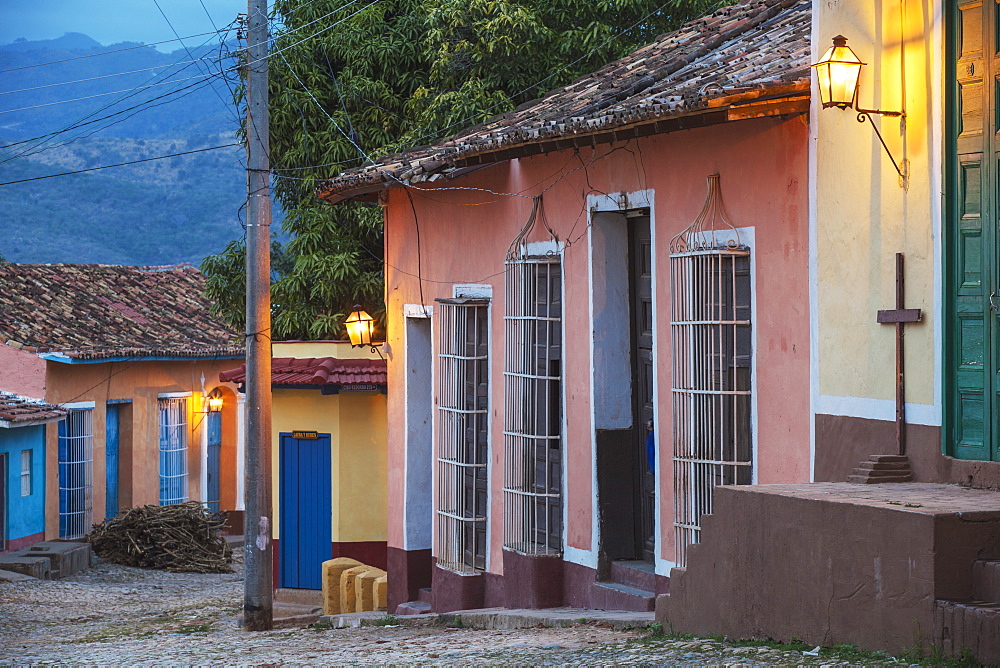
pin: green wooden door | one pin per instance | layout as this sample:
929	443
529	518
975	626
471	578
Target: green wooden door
972	337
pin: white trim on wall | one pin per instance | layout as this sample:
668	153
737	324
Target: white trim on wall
173	395
79	405
877	409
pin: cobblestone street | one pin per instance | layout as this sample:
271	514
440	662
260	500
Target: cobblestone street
115	615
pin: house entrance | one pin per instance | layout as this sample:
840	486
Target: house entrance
304	510
623	385
972	290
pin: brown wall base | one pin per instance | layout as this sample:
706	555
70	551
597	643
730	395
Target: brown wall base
410	571
24	541
532	582
844	442
826	564
234	523
454	591
370	553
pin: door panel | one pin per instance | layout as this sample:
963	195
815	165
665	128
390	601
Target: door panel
971	240
213	454
111	449
304	511
641	269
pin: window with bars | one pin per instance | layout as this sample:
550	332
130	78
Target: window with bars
711	331
173	450
76	461
25	472
533	406
462	434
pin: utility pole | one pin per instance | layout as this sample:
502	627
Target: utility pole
258	592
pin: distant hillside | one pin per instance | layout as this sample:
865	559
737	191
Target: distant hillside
157	212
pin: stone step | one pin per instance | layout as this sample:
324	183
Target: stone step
986	581
889	458
634	573
290	615
883	466
11	576
613	596
968	625
413	608
66	558
307	597
425	595
35	566
871	480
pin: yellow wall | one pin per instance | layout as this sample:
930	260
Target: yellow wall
306	349
139	462
356	422
862	216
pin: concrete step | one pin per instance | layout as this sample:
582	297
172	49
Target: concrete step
425	595
634	573
863	479
413	608
290	615
889	458
66	558
306	597
11	576
972	625
882	468
35	566
613	596
986	581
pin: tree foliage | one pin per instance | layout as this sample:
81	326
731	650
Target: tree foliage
351	82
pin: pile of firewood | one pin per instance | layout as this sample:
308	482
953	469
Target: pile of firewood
181	538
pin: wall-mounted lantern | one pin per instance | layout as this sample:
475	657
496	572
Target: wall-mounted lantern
213	402
360	327
837	73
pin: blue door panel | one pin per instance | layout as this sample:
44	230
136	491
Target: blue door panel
111	448
214	453
304	510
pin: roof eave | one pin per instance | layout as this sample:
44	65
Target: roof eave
784	100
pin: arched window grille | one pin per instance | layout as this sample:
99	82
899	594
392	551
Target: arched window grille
710	324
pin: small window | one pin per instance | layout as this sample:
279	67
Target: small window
25	472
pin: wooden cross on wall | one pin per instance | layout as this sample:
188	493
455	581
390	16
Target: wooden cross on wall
899	316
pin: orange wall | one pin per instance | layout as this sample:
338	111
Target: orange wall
464	235
22	372
139	460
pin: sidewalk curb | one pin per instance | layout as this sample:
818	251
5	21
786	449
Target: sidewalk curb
503	618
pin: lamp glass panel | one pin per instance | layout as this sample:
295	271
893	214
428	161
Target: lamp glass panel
837	73
359	328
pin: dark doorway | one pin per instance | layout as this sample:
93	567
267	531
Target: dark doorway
623	386
641	319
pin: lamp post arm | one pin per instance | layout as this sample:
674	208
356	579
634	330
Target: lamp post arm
864	114
880	112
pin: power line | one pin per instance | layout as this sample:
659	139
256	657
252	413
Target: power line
103	76
115	92
104	53
120	164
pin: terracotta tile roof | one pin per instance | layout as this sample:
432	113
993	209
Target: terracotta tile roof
317	371
91	312
17	411
740	62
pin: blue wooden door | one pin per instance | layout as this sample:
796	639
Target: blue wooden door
304	514
111	447
214	492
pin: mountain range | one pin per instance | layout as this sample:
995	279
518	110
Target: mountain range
71	104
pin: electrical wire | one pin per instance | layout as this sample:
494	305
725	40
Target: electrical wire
120	164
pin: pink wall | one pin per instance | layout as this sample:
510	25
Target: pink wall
22	373
464	235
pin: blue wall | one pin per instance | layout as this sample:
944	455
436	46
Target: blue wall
25	514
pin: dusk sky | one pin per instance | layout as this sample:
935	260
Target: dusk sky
111	21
